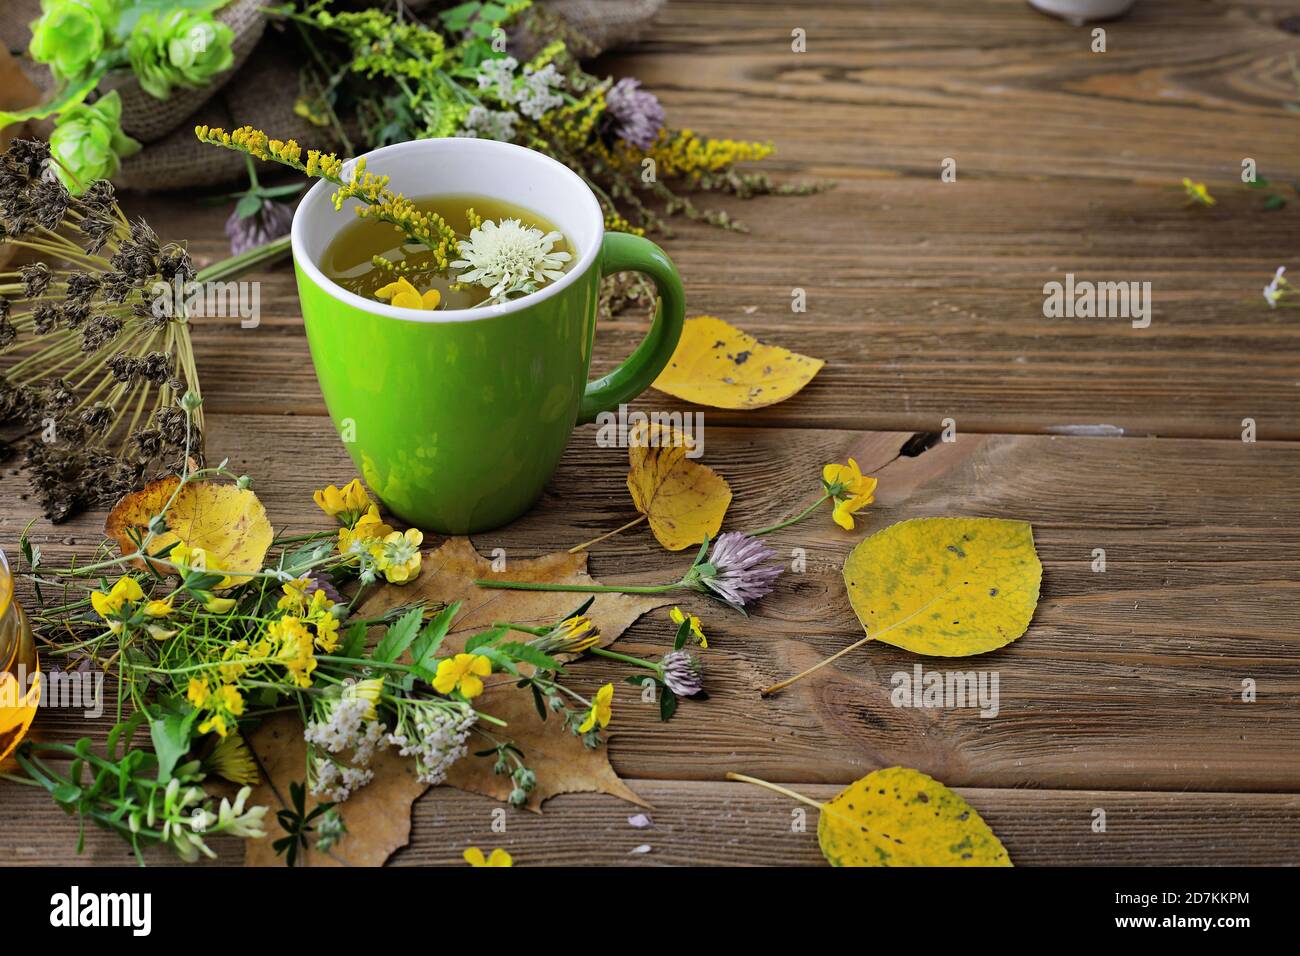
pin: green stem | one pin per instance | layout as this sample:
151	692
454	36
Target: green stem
626	659
789	521
580	588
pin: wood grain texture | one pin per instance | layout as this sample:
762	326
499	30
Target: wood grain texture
1131	678
925	299
732	824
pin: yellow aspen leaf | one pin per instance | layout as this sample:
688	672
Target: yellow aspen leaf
717	364
227	522
946	587
683	500
901	817
898	817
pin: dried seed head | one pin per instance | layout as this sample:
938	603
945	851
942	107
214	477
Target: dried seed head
36	279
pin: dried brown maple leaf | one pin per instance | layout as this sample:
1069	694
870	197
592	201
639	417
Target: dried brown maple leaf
562	762
378	816
448	575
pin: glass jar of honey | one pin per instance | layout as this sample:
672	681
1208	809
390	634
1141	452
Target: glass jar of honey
20	677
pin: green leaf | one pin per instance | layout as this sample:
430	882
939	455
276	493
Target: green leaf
538	702
66	793
478	641
667	703
72	93
249	205
531	655
683	633
399	636
425	647
170	732
354	641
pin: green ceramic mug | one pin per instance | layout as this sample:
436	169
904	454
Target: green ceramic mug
456	419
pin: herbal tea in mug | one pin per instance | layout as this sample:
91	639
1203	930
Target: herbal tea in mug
20	684
492	251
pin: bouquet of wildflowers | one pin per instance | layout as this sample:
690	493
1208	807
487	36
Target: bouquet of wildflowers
210	621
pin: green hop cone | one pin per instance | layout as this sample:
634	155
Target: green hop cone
180	48
88	143
71	34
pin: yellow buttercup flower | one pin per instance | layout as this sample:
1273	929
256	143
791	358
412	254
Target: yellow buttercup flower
110	604
347	504
1197	193
697	632
398	556
231	759
499	857
851	490
406	296
463	673
602	710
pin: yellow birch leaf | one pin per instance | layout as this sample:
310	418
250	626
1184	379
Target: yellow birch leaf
901	817
717	364
683	500
226	521
946	587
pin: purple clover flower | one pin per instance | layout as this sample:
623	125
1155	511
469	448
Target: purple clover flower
736	571
638	115
682	673
270	222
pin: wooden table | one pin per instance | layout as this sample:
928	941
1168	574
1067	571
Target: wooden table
926	300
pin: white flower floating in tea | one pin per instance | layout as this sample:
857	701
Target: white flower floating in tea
510	259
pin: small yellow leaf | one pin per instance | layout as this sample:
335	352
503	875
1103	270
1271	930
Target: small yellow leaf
719	365
683	500
226	521
946	587
901	817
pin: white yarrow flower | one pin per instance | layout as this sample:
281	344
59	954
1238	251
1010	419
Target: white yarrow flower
510	259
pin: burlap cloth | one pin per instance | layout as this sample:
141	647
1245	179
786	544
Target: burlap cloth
261	88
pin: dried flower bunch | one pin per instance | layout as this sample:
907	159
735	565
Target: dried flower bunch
93	365
466	74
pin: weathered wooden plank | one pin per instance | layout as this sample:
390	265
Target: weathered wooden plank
1131	678
726	824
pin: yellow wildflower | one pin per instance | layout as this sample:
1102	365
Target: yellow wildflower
368	690
218	605
697	631
601	710
197	693
327	632
368	527
573	635
159	608
231	759
295	650
1197	193
398	556
851	490
224	706
463	673
406	296
109	605
347	504
474	857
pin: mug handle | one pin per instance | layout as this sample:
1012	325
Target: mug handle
622	252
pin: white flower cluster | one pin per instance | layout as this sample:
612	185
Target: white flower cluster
436	737
533	93
346	728
510	259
